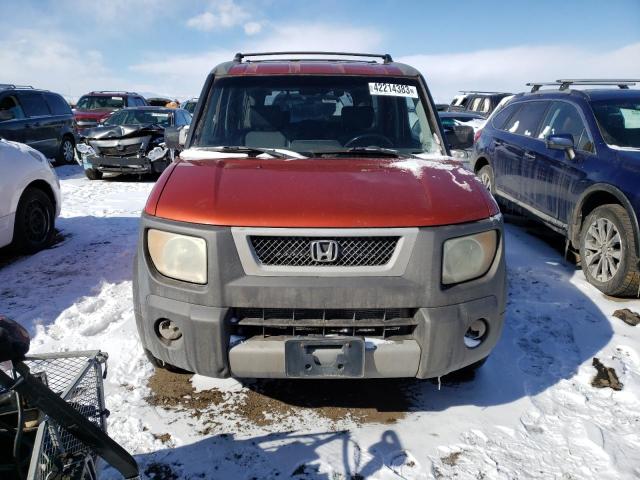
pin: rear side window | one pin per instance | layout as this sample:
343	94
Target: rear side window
10	109
57	104
33	104
475	104
503	115
564	119
526	120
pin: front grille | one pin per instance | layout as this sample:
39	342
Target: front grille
296	251
381	322
122	151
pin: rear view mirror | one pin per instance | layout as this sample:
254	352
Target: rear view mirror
14	340
561	142
459	137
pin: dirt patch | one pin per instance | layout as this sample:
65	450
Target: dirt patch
627	316
160	471
163	437
605	376
363	401
172	390
451	459
263	403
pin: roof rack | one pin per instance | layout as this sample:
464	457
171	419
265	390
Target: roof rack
384	56
11	85
113	91
565	84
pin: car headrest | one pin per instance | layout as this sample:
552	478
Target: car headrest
357	118
615	121
267	118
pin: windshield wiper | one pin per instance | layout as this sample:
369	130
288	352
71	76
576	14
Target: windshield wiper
363	151
248	150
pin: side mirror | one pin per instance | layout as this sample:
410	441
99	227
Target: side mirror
459	137
561	142
175	138
14	340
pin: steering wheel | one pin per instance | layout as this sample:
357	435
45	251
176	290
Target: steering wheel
386	142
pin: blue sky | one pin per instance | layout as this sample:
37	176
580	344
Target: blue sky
167	47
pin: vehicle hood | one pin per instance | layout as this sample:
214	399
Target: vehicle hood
122	131
329	193
97	114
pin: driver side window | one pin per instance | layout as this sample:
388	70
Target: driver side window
564	119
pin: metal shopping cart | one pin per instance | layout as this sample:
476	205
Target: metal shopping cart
52	413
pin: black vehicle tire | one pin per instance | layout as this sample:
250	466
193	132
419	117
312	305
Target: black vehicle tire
66	151
93	174
616	271
34	226
487	178
157	363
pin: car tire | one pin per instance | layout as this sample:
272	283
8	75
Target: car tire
610	265
66	151
487	178
34	226
93	174
157	363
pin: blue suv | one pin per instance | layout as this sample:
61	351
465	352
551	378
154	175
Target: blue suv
571	158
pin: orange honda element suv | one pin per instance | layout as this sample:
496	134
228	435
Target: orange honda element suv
315	226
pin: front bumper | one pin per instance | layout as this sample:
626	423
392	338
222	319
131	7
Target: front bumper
206	314
133	164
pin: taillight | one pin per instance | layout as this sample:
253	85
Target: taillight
477	136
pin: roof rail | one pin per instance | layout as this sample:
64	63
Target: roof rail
11	85
114	91
384	56
565	84
487	93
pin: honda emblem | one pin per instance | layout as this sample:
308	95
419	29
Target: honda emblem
324	251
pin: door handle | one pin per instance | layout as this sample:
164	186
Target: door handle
498	143
529	155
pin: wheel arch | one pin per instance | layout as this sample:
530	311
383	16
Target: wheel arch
593	197
46	188
480	162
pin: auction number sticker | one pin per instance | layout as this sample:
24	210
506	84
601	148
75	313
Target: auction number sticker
393	90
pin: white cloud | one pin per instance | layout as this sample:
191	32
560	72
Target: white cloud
509	69
252	28
48	60
222	14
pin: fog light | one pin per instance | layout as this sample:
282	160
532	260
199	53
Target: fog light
476	333
169	330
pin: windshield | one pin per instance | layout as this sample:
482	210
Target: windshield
619	121
314	114
189	106
93	102
139	117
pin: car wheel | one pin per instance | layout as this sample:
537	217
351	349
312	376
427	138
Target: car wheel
35	221
93	174
66	152
487	178
157	363
608	251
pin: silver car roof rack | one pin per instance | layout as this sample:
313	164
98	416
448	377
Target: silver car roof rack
483	92
11	85
565	84
386	58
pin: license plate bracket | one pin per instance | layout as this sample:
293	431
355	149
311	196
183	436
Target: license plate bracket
336	357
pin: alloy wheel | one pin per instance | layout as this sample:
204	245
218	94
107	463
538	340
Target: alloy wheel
485	179
603	248
67	151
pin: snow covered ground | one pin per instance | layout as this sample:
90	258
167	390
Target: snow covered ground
530	412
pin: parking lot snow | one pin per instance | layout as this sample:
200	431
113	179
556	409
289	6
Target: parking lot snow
530	412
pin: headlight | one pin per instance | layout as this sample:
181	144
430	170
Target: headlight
85	149
156	153
178	256
465	258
